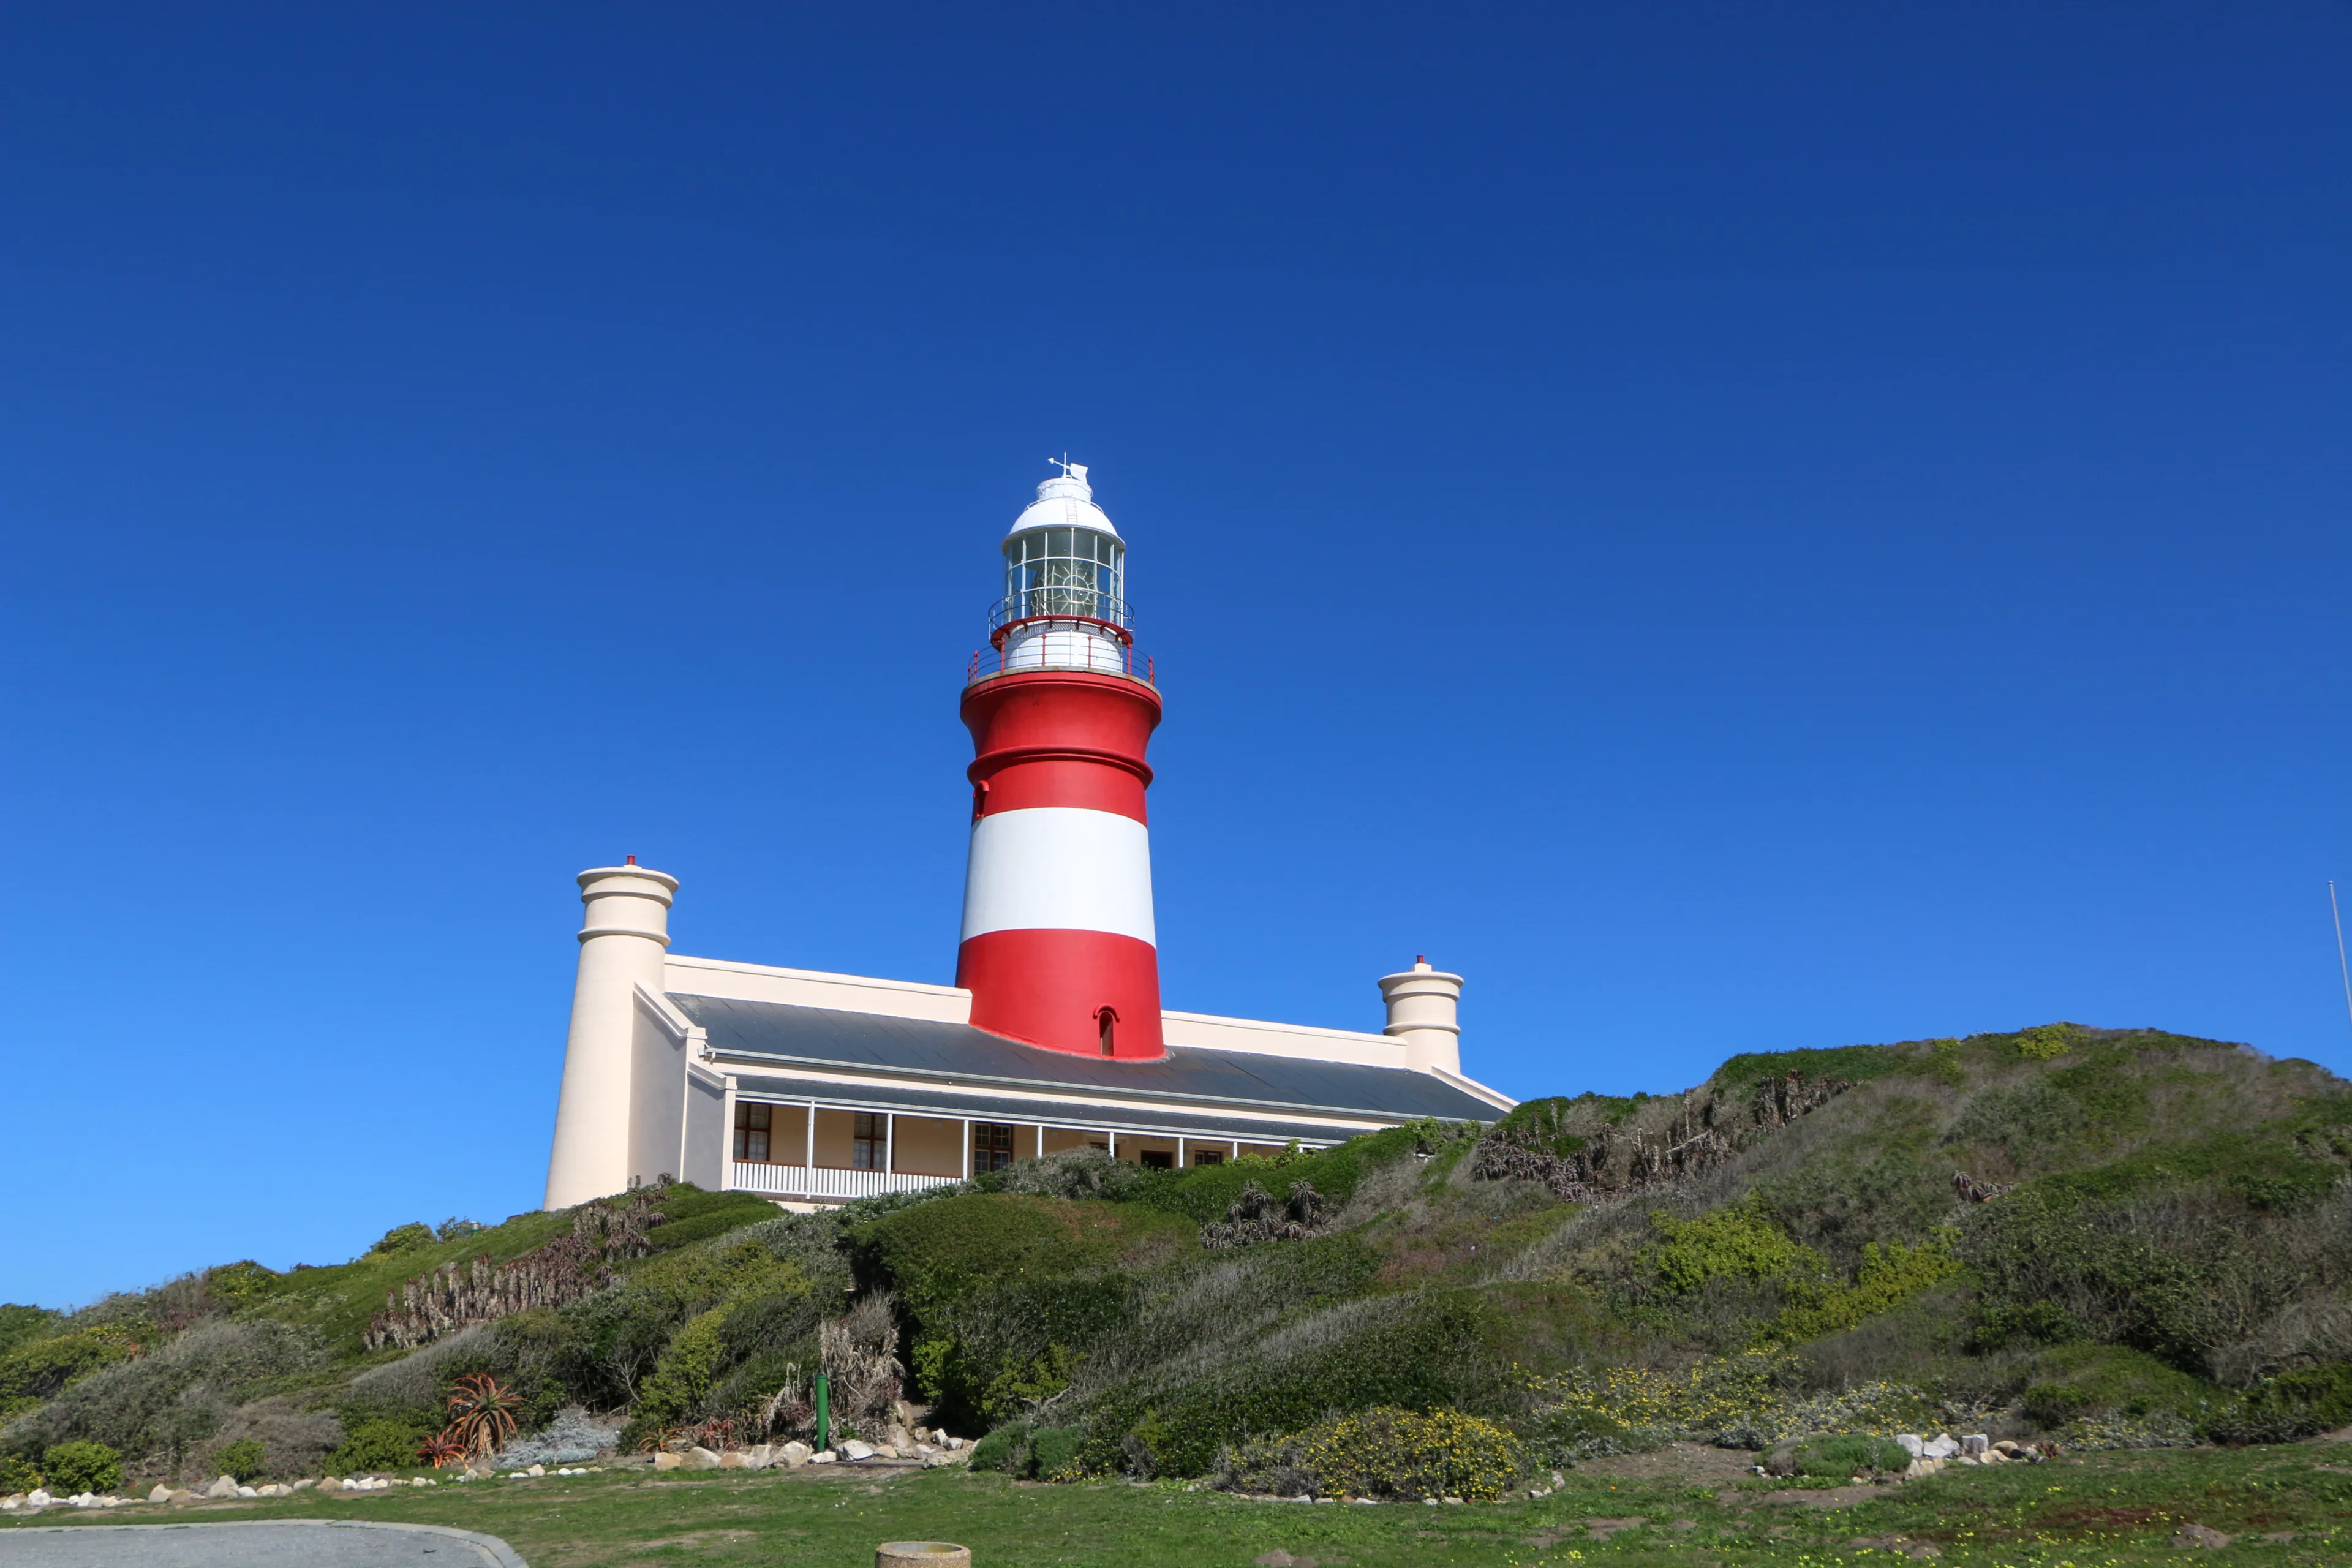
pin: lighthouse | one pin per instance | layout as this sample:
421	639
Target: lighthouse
815	1088
1058	947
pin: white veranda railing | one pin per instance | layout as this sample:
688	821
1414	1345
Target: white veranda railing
824	1182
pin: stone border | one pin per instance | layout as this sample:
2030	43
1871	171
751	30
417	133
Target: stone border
492	1548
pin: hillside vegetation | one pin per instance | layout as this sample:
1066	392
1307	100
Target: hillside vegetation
2120	1238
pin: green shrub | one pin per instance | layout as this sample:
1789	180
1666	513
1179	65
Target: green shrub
2283	1409
1889	1276
1561	1435
1739	1242
1005	1448
2045	1042
1839	1458
402	1239
1856	1063
19	1323
1054	1452
384	1442
1383	1452
2023	1322
697	1215
40	1369
17	1474
1424	1350
245	1459
76	1467
2094	1382
683	1378
237	1283
2026	1120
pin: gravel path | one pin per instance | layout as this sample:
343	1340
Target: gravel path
262	1543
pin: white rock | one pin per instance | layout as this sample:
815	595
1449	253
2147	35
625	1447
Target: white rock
223	1486
306	1483
666	1461
39	1498
1977	1443
536	1470
1940	1447
824	1457
795	1454
855	1449
1911	1443
1430	1500
732	1460
899	1438
702	1459
13	1501
161	1494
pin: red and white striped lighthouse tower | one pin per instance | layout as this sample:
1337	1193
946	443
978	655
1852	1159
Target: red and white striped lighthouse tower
1058	945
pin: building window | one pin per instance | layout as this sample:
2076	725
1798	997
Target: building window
869	1147
1106	1022
991	1145
752	1131
1208	1156
1156	1160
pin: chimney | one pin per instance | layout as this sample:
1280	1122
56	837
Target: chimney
1422	1004
621	947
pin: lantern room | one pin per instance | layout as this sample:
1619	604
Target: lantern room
1065	603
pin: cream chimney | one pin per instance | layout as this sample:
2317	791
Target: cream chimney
1422	1004
621	948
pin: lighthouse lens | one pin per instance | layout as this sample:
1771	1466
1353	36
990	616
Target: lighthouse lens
1064	571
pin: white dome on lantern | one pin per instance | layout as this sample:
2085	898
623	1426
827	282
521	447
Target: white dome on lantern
1065	500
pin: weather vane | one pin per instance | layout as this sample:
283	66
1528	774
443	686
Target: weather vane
1069	470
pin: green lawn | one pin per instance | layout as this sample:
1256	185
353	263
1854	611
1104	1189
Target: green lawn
2096	1509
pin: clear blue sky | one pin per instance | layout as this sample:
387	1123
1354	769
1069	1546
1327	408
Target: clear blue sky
1734	527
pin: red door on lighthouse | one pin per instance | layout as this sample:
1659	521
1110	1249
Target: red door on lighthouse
1059	947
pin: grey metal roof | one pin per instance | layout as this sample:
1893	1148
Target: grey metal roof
1189	1078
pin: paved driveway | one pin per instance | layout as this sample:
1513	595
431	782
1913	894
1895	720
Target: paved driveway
263	1543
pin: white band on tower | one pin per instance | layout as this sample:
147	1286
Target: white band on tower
1059	867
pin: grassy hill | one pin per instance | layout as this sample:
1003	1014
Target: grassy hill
2122	1238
